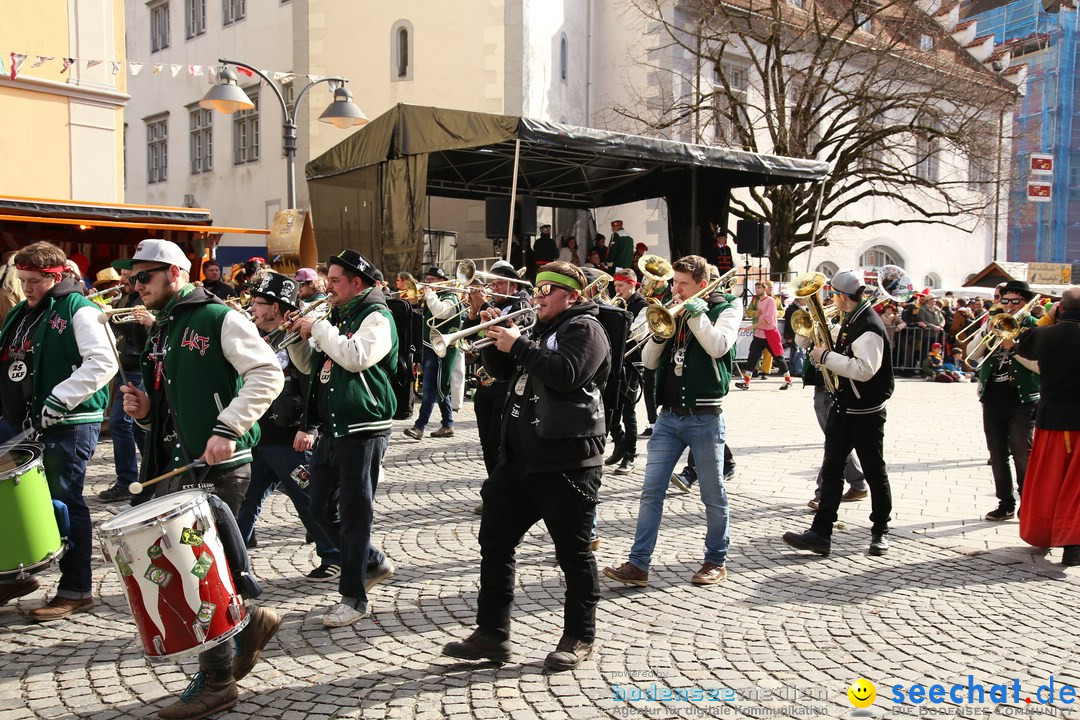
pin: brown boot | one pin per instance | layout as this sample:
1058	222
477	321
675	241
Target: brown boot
252	639
208	693
628	574
481	645
569	653
58	608
10	591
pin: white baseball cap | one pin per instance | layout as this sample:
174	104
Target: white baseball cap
165	252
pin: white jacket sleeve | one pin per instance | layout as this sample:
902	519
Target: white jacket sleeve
868	350
98	360
257	364
652	352
300	354
368	345
719	337
440	309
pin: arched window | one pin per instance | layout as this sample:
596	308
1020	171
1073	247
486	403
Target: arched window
932	281
828	269
401	51
880	255
564	60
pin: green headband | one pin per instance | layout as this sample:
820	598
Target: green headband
558	278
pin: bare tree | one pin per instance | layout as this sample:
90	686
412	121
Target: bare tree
900	110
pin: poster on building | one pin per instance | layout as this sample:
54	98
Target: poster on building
1042	273
1042	164
1038	191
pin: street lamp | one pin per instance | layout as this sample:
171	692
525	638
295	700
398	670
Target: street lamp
227	97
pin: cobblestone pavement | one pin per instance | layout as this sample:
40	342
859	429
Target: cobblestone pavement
786	632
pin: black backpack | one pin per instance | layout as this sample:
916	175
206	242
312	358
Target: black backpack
616	324
409	323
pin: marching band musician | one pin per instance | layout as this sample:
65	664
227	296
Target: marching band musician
55	368
489	399
351	402
863	361
444	311
693	374
550	463
209	377
624	428
127	437
274	459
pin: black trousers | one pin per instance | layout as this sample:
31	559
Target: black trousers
649	379
1009	431
757	347
865	434
488	404
624	430
513	503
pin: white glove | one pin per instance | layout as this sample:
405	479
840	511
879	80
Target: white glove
50	417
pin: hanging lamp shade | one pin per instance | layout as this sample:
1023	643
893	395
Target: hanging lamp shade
226	97
343	112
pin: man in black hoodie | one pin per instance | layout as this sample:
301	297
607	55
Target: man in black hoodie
550	465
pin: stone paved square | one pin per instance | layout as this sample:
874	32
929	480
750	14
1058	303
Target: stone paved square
785	634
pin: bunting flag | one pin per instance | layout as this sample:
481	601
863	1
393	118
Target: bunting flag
93	63
195	70
315	78
3	70
212	74
175	69
17	60
334	85
116	70
245	71
41	60
135	68
157	71
68	62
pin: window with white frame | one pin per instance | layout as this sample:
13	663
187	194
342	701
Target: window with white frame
801	4
157	149
931	280
880	255
202	140
828	269
246	131
194	18
864	15
979	174
926	42
729	104
871	123
159	26
401	47
927	164
233	11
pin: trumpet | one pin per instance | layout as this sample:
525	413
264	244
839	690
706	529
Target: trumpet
814	321
100	295
119	316
282	336
661	319
1002	327
441	343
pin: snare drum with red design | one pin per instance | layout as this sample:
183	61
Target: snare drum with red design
176	577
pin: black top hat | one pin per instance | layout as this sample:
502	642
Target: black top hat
355	263
1019	287
279	288
437	272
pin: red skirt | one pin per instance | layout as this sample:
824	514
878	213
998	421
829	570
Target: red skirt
1050	506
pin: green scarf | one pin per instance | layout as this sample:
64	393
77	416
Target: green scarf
162	315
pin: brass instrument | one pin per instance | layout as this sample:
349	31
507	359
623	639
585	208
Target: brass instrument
967	333
120	316
808	286
283	336
892	284
1001	327
661	320
598	287
657	271
441	343
100	295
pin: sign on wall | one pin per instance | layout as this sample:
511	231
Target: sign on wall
1039	191
1041	164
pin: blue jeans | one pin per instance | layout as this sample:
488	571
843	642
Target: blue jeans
351	465
271	466
67	450
126	435
704	435
432	366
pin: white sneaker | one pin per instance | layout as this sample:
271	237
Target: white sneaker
383	573
342	615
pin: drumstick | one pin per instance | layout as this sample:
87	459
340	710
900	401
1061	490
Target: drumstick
116	354
137	487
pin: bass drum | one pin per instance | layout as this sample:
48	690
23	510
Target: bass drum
30	538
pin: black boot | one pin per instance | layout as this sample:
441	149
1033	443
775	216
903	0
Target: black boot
481	645
808	540
1070	556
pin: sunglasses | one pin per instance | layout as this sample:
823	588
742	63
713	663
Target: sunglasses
143	276
545	290
1012	301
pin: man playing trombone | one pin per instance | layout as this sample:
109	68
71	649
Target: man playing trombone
1009	392
442	311
693	373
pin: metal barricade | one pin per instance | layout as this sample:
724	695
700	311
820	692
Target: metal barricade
911	345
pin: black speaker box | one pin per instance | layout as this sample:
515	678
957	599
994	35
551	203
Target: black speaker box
753	238
497	216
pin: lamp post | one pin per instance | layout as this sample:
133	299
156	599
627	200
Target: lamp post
227	97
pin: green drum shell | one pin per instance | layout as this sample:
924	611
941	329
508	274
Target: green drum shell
29	536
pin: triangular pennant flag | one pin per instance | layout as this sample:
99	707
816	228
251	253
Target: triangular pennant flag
135	68
17	60
157	71
93	63
41	60
68	62
315	78
286	78
196	71
3	70
175	69
334	85
211	74
245	71
116	71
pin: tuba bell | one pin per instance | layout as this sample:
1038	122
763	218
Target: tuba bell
815	323
656	271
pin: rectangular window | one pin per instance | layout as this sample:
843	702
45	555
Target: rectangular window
246	131
864	15
926	159
159	26
157	149
871	125
233	11
729	105
926	42
202	140
195	18
801	4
